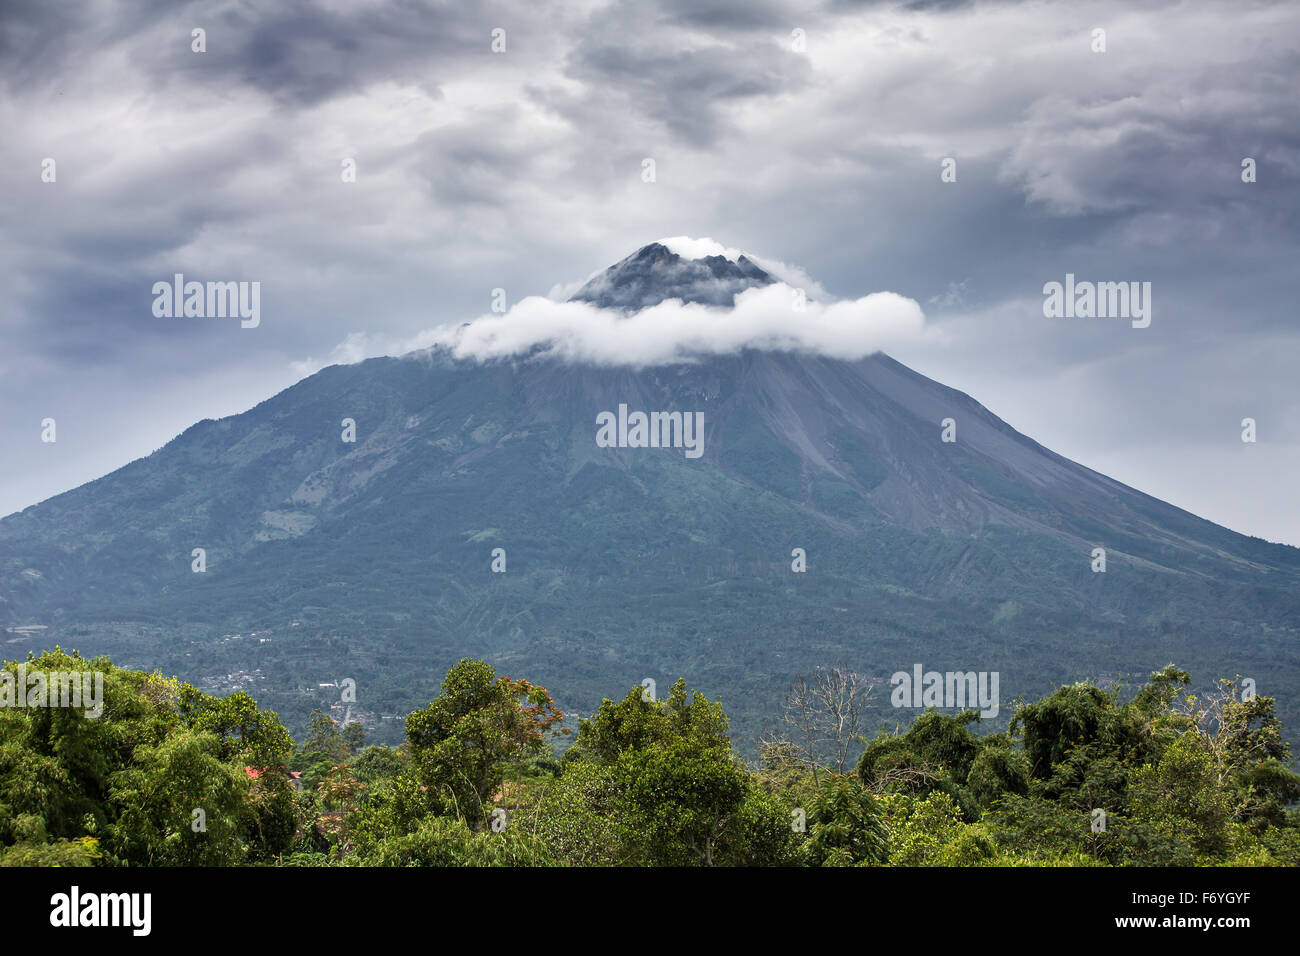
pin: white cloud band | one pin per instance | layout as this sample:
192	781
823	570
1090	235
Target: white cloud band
673	331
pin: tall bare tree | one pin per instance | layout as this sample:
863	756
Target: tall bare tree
841	696
825	712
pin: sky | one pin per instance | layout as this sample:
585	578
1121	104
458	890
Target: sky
815	135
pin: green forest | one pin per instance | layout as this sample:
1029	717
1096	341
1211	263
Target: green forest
486	776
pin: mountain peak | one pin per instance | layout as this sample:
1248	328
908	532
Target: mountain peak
693	270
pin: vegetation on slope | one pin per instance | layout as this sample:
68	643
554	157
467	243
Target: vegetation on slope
170	776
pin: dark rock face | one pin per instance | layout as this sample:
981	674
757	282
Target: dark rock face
654	273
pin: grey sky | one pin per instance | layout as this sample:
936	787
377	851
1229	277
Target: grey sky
522	170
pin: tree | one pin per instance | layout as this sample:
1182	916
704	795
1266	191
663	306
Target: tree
1247	753
323	737
930	832
463	740
578	817
845	826
354	737
442	841
378	762
666	782
679	800
1072	716
340	789
637	722
244	732
157	778
936	753
824	713
178	805
1183	796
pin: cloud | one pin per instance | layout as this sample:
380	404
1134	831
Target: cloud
673	331
480	171
792	276
689	248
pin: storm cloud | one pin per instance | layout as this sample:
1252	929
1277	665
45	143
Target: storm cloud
815	134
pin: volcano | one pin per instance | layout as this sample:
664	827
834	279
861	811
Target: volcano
476	514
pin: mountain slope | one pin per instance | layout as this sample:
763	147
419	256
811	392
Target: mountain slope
372	559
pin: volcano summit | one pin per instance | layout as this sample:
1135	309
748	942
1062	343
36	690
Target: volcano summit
655	272
371	558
